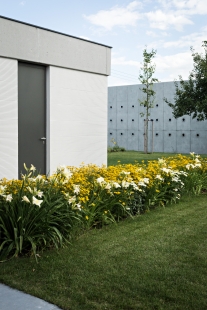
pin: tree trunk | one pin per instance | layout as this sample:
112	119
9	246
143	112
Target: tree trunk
146	136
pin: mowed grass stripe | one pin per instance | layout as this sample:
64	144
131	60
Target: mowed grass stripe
155	261
130	157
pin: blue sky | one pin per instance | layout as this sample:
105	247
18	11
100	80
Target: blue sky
169	26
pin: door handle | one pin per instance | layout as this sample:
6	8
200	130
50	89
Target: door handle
43	140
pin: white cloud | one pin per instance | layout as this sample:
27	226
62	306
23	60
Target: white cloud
22	3
156	34
116	16
176	13
115	81
194	39
170	67
152	34
191	7
176	61
162	20
174	56
123	62
184	4
187	41
155	44
204	28
171	13
186	7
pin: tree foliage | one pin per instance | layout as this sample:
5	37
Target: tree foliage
191	96
147	79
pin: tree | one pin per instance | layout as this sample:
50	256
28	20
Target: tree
147	80
191	96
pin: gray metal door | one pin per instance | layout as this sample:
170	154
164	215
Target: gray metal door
31	116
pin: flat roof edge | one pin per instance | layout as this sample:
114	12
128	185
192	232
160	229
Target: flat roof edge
47	29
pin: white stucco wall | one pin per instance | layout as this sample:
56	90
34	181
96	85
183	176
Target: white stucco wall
35	44
77	73
8	119
78	118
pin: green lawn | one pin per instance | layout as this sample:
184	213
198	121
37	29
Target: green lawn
154	261
133	156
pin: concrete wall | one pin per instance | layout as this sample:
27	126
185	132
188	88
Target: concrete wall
78	118
8	119
126	126
31	43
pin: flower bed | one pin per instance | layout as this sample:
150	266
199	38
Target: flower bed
41	211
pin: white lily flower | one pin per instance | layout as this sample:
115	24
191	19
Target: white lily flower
24	198
25	167
65	171
2	189
175	179
9	197
135	187
36	201
76	189
146	180
108	186
32	179
32	168
166	170
184	173
125	184
35	192
125	173
61	167
158	176
72	199
116	185
67	195
100	180
39	194
29	189
188	166
78	206
142	184
161	161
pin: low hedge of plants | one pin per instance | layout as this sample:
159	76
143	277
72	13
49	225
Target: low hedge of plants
41	212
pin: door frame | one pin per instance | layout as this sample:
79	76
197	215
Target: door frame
47	113
47	121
